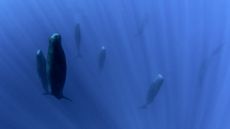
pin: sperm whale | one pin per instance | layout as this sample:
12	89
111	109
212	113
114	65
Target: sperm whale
153	90
102	57
56	66
41	69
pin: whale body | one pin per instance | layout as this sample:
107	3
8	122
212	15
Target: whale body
153	90
102	57
41	69
56	66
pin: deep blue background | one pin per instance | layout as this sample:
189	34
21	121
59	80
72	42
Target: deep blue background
185	40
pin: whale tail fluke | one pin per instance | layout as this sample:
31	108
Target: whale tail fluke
143	106
66	98
59	98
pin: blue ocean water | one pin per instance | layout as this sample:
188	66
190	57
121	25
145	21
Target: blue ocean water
187	41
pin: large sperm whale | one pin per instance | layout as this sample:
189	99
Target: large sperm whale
41	69
56	66
153	90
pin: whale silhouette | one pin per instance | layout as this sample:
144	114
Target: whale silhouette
41	69
56	66
153	90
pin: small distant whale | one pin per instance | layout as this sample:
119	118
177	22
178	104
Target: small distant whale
56	66
41	69
78	39
153	90
208	61
102	57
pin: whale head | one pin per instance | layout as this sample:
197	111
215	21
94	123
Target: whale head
55	39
